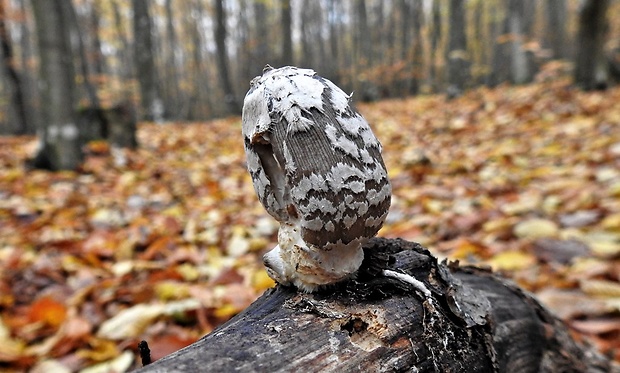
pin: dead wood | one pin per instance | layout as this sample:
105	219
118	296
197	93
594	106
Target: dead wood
475	321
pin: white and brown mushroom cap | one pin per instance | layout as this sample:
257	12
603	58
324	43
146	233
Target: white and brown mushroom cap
314	161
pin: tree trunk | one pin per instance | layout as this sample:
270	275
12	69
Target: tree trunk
363	54
124	52
510	60
417	63
200	105
287	33
520	71
222	59
591	69
307	55
173	103
74	27
334	28
404	18
435	38
262	51
555	30
60	143
29	75
457	55
144	58
469	321
99	61
17	100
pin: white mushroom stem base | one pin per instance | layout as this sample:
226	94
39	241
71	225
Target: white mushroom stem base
294	262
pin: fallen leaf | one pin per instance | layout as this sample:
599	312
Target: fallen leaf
536	228
601	288
121	363
48	311
560	251
512	261
130	322
568	304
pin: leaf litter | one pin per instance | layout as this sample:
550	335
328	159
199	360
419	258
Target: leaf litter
164	243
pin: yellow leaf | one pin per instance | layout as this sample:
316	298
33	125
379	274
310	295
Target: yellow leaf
601	288
512	261
167	290
262	281
611	222
188	271
227	310
535	228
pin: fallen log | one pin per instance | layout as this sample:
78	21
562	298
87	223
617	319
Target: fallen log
473	321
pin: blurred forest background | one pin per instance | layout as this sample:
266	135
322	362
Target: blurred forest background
192	60
127	213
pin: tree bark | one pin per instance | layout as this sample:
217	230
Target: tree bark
173	102
99	61
510	60
60	143
472	321
80	51
435	38
457	55
222	59
555	30
287	33
18	100
591	69
200	105
124	52
417	63
150	102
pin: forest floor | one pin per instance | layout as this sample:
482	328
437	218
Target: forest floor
164	243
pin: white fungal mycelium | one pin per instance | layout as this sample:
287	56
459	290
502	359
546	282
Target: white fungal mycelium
317	169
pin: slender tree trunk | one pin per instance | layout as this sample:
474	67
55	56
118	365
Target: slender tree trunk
306	36
520	71
99	61
402	84
201	102
246	71
222	59
74	27
377	37
510	60
262	52
591	69
457	55
124	53
363	60
287	33
332	16
150	103
363	48
59	136
479	45
435	38
17	100
172	71
29	76
417	63
319	36
555	30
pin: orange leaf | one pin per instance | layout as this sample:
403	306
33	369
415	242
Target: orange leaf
48	311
